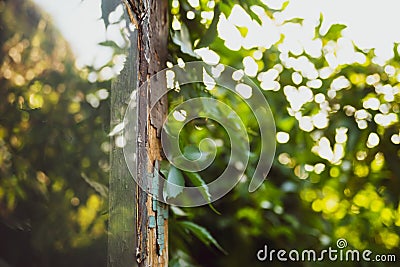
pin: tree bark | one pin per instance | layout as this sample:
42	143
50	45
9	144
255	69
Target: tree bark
147	56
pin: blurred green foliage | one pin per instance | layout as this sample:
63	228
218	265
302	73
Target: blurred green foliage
336	109
53	147
336	170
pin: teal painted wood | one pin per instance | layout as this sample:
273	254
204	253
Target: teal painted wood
160	209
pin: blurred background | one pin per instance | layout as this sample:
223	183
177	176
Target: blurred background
330	72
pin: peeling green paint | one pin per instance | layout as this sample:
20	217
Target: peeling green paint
165	213
152	222
160	209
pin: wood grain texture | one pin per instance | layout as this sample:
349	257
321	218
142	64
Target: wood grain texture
122	188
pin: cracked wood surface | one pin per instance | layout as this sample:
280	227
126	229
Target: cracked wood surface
151	20
147	244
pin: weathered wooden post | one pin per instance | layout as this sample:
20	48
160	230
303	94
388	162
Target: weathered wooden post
131	208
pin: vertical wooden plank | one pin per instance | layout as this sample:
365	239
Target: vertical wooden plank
122	188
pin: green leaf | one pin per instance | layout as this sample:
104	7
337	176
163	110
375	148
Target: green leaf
181	259
211	32
396	52
98	187
197	181
202	234
182	39
295	20
175	183
164	167
226	7
191	152
243	30
286	124
270	10
178	211
284	5
335	31
109	43
113	45
318	27
246	5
